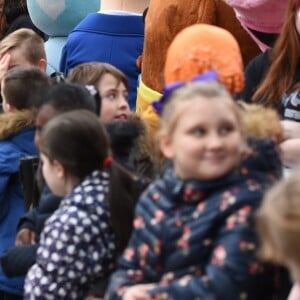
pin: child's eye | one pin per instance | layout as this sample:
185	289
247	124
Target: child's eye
125	95
225	130
111	96
198	131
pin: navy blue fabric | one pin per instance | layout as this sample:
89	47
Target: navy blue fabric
197	239
11	197
19	259
77	244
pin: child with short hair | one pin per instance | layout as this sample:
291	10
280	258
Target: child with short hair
83	237
194	234
22	47
278	223
128	131
60	98
22	88
112	85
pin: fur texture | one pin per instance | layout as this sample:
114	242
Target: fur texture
12	122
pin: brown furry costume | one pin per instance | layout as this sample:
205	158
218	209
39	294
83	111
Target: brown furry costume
166	18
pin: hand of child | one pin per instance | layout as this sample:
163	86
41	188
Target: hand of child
4	64
138	292
295	292
25	236
291	129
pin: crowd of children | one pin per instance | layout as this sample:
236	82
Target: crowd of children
187	201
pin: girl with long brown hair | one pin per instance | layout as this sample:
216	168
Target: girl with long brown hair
273	79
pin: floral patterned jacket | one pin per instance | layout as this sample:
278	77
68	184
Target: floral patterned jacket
77	244
197	239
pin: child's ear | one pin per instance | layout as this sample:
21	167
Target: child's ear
59	169
42	64
166	145
8	107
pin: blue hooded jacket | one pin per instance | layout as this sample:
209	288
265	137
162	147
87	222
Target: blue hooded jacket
16	141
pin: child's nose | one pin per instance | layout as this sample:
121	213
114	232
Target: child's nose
214	141
123	103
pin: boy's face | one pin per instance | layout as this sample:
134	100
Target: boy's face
114	95
17	58
45	114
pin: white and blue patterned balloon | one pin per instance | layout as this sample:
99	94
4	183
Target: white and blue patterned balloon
57	18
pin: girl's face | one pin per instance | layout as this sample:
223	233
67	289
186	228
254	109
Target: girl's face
114	94
298	20
45	114
206	142
53	174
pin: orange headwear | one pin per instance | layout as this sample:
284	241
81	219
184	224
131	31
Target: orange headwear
200	48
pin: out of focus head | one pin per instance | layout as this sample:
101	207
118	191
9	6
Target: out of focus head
201	48
278	223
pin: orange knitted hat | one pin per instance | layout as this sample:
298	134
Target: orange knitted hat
200	48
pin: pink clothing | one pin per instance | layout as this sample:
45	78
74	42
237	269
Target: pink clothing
295	292
260	15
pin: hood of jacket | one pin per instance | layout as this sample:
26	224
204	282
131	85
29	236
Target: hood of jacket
130	141
14	123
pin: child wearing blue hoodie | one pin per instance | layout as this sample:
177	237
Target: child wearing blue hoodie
21	90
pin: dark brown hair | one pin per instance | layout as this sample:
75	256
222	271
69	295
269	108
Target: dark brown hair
284	62
92	72
24	86
80	143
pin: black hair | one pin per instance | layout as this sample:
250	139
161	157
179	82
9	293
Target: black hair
14	8
145	12
69	96
80	143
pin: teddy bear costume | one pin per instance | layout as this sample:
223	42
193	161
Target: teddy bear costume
209	48
164	20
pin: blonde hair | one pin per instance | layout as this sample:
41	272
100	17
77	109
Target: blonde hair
31	42
278	221
184	95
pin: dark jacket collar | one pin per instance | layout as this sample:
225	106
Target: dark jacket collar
261	164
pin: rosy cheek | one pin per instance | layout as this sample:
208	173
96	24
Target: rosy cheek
298	21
